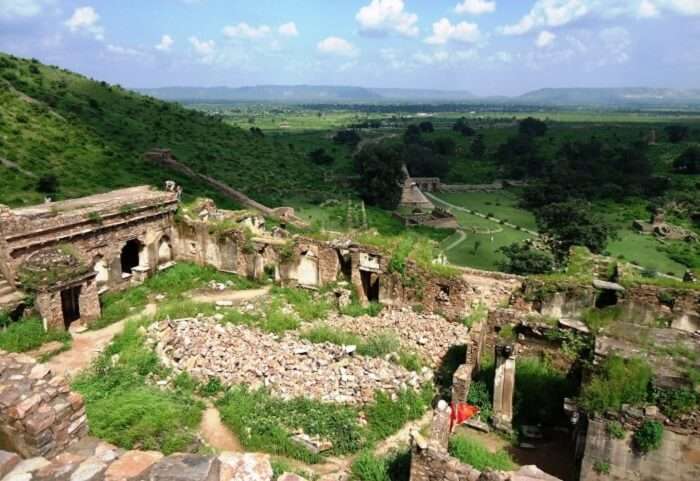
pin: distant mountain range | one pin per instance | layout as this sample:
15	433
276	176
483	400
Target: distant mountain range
553	97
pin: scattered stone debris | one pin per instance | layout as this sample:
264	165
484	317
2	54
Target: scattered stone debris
286	365
429	335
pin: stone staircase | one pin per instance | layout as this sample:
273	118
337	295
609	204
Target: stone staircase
10	297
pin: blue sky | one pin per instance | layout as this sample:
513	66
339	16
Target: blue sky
489	47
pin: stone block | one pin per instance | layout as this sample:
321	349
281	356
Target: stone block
247	467
8	461
21	410
132	465
186	467
91	469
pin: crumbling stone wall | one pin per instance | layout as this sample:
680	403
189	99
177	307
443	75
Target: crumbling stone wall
48	303
678	458
430	460
39	415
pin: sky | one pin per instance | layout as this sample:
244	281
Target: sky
488	47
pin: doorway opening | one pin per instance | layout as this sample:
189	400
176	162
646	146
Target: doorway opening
370	285
130	255
70	305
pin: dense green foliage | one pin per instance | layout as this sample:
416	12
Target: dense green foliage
124	409
472	452
573	224
81	136
395	466
264	422
524	259
381	171
619	381
648	436
27	334
540	390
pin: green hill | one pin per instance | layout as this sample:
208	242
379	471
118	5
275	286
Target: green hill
92	137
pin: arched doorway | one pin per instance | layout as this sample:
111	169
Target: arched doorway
130	256
165	251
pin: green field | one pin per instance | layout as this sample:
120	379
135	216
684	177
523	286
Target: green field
644	250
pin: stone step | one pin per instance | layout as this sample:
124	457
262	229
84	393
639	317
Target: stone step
11	300
5	288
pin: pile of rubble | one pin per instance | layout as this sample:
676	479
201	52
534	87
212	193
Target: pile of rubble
287	366
428	335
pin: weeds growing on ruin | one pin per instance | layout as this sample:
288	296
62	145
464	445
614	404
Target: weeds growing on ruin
266	423
395	466
540	390
615	430
619	381
648	436
306	306
124	409
475	454
28	334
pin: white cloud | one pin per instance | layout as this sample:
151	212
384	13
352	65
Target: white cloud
86	19
166	42
556	13
475	7
126	51
204	49
243	30
463	32
502	56
22	8
288	29
337	46
616	42
647	9
383	16
545	39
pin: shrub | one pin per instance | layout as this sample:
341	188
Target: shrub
476	455
540	390
619	381
615	430
386	416
675	402
648	436
601	467
396	466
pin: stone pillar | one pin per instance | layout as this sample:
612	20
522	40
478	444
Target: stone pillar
462	378
440	426
139	275
89	302
504	386
48	303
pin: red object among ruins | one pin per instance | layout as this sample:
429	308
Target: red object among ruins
461	413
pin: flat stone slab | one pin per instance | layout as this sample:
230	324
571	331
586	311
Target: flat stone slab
245	467
608	286
132	465
186	467
575	325
8	461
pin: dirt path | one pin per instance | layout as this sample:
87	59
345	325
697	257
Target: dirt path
88	345
462	236
216	434
372	140
233	296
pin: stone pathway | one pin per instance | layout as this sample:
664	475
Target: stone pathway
462	236
88	345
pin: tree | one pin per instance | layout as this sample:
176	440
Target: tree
412	135
478	147
688	162
462	127
677	133
519	157
382	175
443	146
532	127
426	127
423	162
347	137
47	184
321	157
572	223
523	259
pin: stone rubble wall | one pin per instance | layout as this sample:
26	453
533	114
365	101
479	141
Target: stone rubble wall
39	415
678	458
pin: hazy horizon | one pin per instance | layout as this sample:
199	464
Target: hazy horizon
486	47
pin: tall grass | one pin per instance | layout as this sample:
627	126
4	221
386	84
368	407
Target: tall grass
476	455
28	334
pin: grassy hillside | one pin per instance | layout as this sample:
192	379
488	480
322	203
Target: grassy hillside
92	137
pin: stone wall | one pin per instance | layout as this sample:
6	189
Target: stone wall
39	415
49	303
678	458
